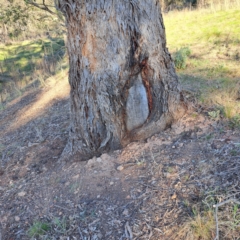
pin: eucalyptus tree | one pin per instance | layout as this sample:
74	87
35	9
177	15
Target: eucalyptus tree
13	18
27	16
123	82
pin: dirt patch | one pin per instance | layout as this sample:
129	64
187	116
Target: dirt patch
144	191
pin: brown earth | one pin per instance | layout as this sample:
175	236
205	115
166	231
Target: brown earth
144	191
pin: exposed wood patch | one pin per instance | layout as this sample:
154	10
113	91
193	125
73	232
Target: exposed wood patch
146	82
89	50
137	105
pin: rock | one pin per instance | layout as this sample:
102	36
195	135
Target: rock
181	144
17	219
4	219
167	175
32	144
177	185
105	157
125	212
111	183
76	177
45	169
120	168
21	194
99	160
100	236
170	175
67	183
91	162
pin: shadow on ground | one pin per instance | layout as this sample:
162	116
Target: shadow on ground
144	191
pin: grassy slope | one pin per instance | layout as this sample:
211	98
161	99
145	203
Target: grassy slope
21	53
213	72
23	64
213	67
191	28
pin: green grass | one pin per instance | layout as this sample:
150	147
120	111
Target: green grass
61	224
214	40
38	229
212	69
25	55
194	27
28	63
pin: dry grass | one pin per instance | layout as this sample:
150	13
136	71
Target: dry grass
224	95
210	224
201	226
218	5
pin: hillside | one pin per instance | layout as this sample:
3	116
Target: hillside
162	188
213	66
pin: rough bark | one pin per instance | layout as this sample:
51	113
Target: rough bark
123	82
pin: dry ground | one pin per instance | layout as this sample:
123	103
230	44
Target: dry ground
144	191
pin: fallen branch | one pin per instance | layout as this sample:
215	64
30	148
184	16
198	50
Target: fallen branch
216	206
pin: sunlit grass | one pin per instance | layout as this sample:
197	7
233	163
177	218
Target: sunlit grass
24	51
212	69
214	40
29	63
194	27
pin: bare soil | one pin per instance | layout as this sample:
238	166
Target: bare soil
144	191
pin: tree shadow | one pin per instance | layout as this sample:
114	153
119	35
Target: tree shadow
26	58
167	173
35	121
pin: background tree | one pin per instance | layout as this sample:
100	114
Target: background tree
24	19
168	5
123	83
14	18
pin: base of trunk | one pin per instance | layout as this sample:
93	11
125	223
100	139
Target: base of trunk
123	83
70	154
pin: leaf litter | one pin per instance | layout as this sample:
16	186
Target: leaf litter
144	191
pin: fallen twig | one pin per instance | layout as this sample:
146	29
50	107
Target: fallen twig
128	231
216	213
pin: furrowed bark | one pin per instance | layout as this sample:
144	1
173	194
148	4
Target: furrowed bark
123	83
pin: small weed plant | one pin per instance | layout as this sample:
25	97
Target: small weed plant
180	57
234	122
214	114
61	225
38	229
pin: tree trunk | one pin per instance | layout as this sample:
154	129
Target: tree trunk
123	82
